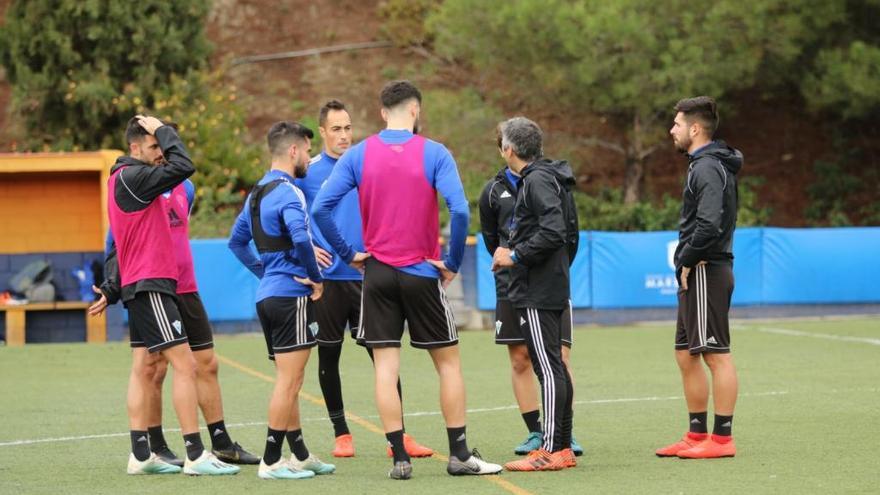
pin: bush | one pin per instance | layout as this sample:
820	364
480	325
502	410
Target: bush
79	69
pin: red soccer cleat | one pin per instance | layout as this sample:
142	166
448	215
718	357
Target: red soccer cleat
344	446
711	448
689	440
413	448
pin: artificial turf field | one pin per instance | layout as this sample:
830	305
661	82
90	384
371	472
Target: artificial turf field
806	420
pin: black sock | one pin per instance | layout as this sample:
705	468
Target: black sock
274	440
533	421
297	444
219	436
697	422
395	438
157	438
331	386
140	445
399	391
340	427
194	447
458	443
723	426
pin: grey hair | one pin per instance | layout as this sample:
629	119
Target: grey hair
522	136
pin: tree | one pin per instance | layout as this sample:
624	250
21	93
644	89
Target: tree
80	68
629	60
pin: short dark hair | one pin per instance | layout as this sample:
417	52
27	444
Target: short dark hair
524	137
281	134
397	92
702	109
330	105
134	132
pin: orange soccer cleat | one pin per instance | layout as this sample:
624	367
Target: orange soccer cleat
344	446
413	448
567	457
711	448
688	441
538	460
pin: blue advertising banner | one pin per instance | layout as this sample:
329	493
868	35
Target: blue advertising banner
227	288
834	265
633	269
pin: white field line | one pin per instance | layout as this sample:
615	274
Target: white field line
800	333
13	443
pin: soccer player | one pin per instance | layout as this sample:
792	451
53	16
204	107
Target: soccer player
704	269
178	203
496	212
543	241
398	175
149	277
340	305
275	217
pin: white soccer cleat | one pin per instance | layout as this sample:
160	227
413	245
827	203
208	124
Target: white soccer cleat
208	465
153	465
474	465
312	463
282	470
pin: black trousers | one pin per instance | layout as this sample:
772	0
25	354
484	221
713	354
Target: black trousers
542	329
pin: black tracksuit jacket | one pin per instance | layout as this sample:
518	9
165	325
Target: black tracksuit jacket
709	206
496	211
544	236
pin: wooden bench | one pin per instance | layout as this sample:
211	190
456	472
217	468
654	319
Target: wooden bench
96	326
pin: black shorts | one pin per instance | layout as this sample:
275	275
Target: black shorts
154	321
339	306
507	325
288	324
195	320
392	297
702	310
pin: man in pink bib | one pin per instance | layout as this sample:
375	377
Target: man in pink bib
398	174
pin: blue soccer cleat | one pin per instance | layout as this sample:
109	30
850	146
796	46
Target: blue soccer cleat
533	442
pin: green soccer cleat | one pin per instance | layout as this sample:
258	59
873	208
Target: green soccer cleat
153	465
532	442
282	470
576	447
311	463
208	465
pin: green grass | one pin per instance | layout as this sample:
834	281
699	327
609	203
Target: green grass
805	421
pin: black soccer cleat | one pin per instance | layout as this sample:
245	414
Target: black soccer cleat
236	455
165	453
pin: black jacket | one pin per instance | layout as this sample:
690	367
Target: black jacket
708	210
543	236
138	185
496	211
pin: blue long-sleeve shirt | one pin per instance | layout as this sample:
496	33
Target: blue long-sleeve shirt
440	171
282	213
346	216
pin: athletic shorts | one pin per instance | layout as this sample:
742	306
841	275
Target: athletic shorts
339	306
702	310
195	320
507	325
288	324
392	297
154	321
